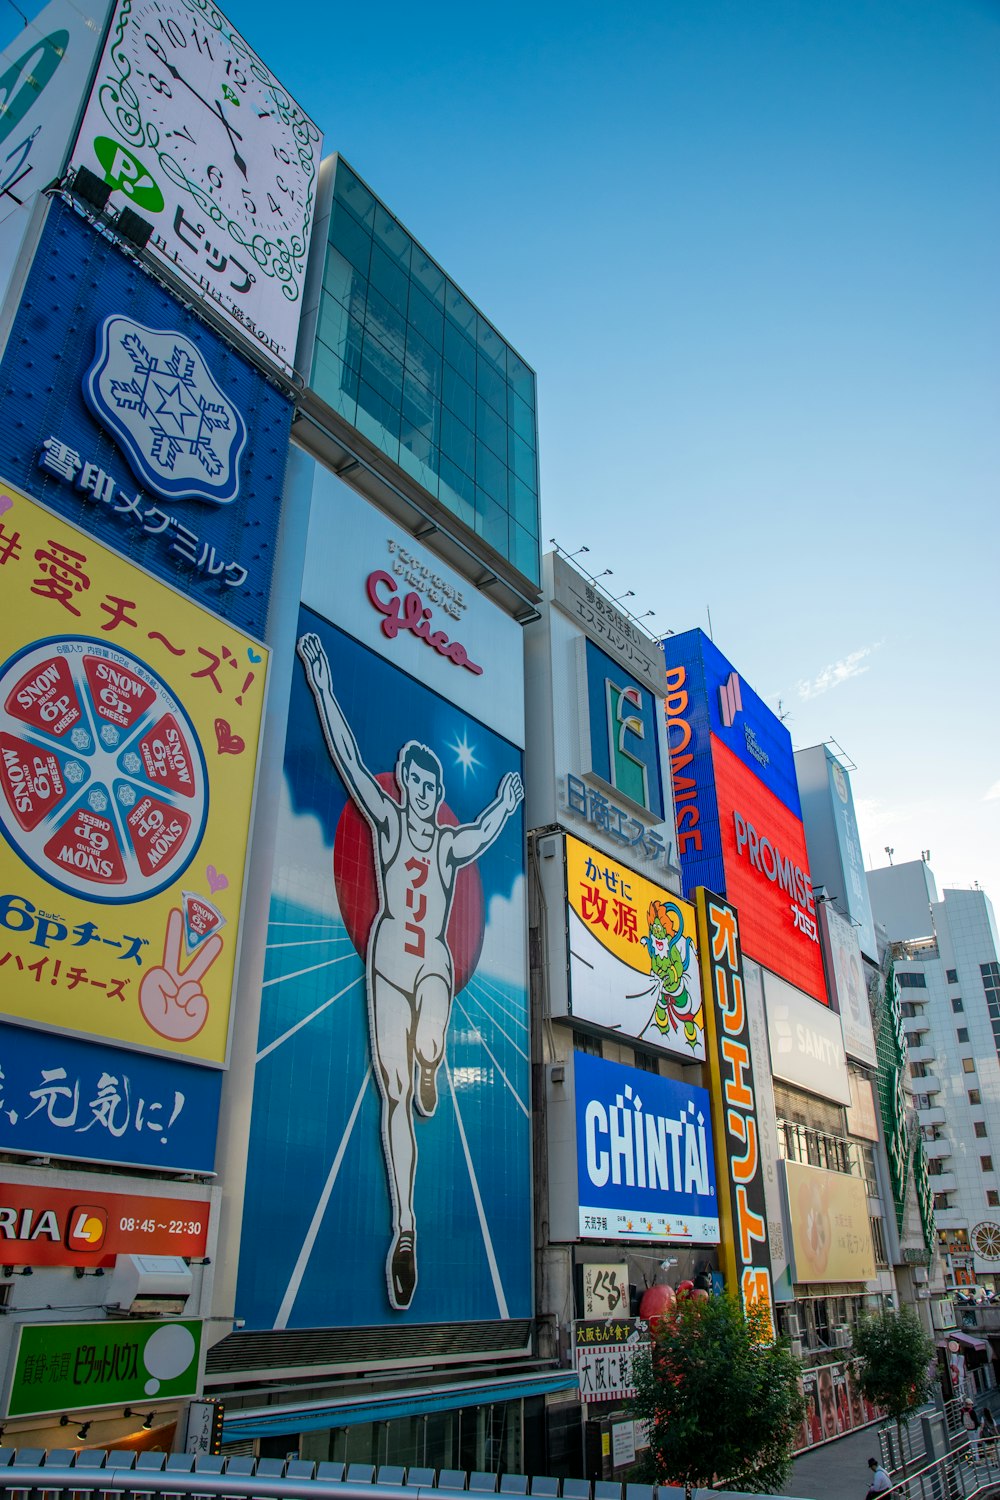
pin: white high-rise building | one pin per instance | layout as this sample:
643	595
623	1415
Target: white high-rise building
947	963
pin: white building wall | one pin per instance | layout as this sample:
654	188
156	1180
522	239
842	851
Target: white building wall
953	1051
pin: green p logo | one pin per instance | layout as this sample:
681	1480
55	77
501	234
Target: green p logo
127	174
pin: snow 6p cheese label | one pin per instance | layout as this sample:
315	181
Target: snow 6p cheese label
129	722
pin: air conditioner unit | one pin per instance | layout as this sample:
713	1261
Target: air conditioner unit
150	1284
793	1325
798	1348
841	1338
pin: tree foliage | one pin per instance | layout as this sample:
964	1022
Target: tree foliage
893	1361
722	1404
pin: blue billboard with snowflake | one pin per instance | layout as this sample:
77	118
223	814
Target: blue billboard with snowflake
144	427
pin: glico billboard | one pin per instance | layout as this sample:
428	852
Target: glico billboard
391	1110
739	822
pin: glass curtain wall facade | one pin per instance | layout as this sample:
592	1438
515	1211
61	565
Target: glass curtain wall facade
407	359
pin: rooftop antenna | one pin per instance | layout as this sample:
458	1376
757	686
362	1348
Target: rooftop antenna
783	712
709	613
890	852
925	855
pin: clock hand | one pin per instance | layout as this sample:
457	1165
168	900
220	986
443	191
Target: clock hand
213	109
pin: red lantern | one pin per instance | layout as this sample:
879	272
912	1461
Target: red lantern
656	1303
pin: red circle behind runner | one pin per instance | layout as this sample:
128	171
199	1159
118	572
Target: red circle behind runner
357	887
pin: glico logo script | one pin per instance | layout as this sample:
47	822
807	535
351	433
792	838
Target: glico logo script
412	614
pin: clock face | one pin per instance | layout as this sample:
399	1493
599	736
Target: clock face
194	132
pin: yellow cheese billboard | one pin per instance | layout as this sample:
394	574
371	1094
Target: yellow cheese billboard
129	724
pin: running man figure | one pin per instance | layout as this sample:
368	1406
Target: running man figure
409	970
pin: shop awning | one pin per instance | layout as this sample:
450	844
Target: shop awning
269	1421
966	1341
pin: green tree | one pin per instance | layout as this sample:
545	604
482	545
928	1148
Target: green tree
721	1401
893	1364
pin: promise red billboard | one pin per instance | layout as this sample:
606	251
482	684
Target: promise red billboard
767	875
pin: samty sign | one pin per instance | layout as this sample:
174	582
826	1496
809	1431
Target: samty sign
745	1250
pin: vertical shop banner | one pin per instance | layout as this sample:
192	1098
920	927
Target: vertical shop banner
76	1366
605	1289
129	722
645	1160
633	954
190	128
767	1128
86	1101
828	1216
745	1248
43	78
391	1098
145	428
847	984
861	1117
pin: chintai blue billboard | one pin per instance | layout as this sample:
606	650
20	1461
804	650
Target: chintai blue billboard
645	1163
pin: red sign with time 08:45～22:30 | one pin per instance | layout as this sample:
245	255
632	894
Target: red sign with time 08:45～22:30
42	1226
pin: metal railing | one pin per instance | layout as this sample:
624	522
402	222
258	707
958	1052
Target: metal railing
33	1474
961	1474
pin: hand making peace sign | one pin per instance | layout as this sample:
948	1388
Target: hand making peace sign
171	998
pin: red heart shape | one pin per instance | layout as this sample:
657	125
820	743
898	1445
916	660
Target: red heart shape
228	742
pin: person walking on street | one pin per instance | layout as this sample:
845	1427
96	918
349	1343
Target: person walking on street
988	1433
970	1421
880	1481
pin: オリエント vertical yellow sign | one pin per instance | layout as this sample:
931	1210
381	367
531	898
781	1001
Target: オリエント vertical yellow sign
633	954
129	725
745	1249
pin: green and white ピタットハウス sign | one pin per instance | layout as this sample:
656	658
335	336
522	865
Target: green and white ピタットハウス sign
71	1366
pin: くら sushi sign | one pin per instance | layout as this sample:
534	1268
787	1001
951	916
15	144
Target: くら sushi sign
745	1250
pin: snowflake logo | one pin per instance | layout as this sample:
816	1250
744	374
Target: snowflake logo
74	772
131	763
80	739
97	801
126	796
109	735
152	390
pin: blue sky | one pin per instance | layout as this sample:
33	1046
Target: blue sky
751	252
